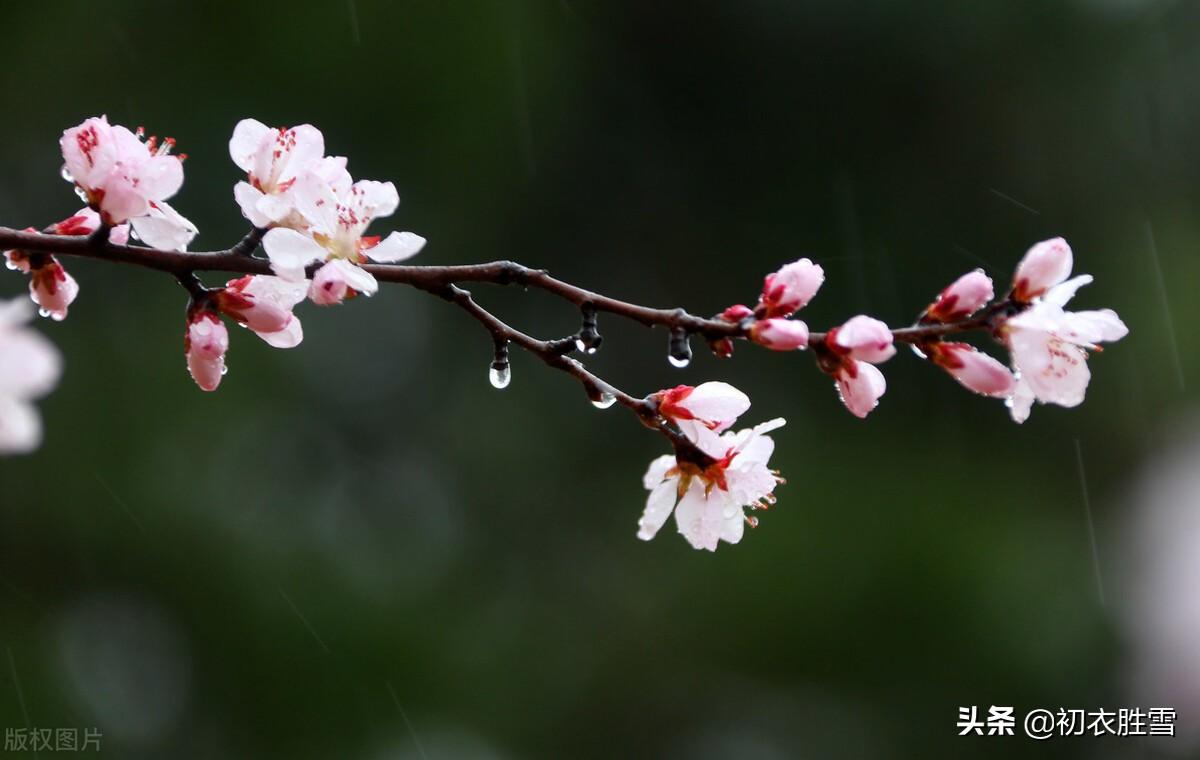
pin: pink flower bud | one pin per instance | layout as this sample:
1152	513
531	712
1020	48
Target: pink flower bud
85	222
974	369
715	405
965	296
863	338
779	334
860	386
53	289
736	313
337	280
790	289
262	315
205	344
1045	265
722	348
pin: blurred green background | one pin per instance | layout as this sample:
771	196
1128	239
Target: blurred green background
360	549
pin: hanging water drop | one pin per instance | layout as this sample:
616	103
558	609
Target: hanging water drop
43	312
589	339
83	196
500	377
917	350
66	174
679	350
500	374
604	400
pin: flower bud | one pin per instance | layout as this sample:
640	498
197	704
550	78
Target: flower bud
736	313
205	344
779	334
974	369
863	338
965	296
1044	265
790	289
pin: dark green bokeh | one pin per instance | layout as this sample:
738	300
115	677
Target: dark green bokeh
359	545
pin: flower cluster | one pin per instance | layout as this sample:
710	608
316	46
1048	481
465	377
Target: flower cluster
314	210
710	483
311	218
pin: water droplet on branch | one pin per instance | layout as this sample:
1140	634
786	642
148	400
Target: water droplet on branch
589	338
500	377
679	349
604	400
500	374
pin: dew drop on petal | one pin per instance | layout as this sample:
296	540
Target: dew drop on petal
81	193
605	400
43	312
500	377
66	174
224	370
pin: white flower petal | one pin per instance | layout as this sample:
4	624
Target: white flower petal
397	246
248	135
290	252
247	197
659	504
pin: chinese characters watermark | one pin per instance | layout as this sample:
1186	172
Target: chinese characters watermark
52	739
1041	724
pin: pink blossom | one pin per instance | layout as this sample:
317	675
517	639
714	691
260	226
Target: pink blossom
337	220
710	407
859	385
863	338
50	286
780	334
974	369
338	279
85	222
789	289
204	345
117	173
1049	347
962	298
709	501
851	351
30	367
273	160
1045	265
264	304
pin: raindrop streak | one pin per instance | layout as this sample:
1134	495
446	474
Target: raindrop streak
605	400
407	722
1170	321
1087	507
304	620
12	666
500	377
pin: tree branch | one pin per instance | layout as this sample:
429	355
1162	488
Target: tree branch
444	281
